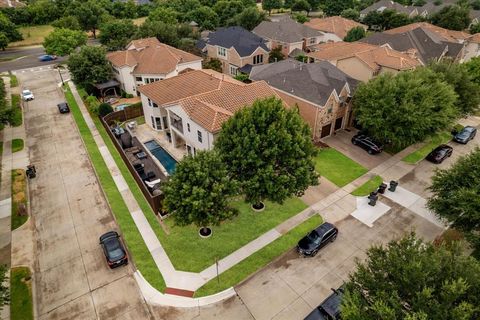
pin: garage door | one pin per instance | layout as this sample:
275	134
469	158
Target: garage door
338	123
326	130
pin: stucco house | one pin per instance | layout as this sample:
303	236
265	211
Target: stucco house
148	60
383	5
337	26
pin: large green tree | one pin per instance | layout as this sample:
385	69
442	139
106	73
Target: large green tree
355	34
205	17
269	5
456	196
227	10
89	66
163	14
473	67
67	22
268	149
90	15
413	280
459	78
452	17
405	108
351	14
301	5
165	33
9	29
335	7
200	190
115	34
249	18
62	42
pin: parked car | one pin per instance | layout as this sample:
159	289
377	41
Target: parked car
47	57
465	135
367	143
440	153
63	107
113	249
316	239
27	95
329	309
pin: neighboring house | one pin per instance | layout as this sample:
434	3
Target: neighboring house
289	34
148	60
337	26
444	34
238	49
11	4
475	16
192	107
472	47
321	91
363	61
382	5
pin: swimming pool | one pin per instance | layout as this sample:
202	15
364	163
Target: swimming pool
163	156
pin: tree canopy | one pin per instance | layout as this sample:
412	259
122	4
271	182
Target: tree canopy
163	14
276	55
62	42
90	15
351	14
89	66
405	108
473	67
205	17
9	30
199	191
268	149
269	5
67	22
413	280
116	34
355	34
452	17
335	7
249	18
387	19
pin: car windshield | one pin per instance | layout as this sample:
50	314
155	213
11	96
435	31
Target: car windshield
313	237
113	248
26	92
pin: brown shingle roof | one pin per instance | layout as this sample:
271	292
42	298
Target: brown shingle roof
337	50
474	38
336	24
446	34
142	43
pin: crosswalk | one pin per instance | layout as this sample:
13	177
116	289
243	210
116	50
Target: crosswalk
36	69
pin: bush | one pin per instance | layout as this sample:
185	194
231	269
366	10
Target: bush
129	95
92	104
16	119
104	109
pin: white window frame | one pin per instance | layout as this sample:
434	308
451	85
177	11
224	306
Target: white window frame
222	52
257	58
234	69
312	41
199	136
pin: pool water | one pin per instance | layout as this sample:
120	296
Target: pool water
163	156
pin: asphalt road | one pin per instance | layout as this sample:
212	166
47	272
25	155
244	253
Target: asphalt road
24	58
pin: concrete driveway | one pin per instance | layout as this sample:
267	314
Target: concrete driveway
341	141
69	213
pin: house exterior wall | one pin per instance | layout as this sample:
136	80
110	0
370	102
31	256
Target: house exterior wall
124	76
233	58
149	111
471	50
355	69
330	37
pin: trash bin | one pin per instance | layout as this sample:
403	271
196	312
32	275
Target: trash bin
373	197
393	186
382	188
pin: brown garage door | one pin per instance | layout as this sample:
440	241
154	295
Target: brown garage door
338	123
326	130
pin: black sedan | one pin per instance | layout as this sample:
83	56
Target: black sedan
367	143
316	239
440	153
465	135
113	249
329	309
63	107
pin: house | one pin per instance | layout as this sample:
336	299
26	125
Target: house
321	91
421	42
363	61
472	47
11	4
289	35
444	34
238	49
148	60
337	26
382	5
191	108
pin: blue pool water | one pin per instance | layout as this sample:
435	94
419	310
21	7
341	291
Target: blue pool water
163	156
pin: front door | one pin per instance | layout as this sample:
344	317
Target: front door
338	123
326	130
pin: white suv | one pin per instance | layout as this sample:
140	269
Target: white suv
27	95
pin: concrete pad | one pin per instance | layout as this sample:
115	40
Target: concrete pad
368	214
58	249
419	207
333	213
319	192
5	208
299	309
402	196
80	308
321	289
98	272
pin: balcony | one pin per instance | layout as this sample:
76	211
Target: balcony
176	122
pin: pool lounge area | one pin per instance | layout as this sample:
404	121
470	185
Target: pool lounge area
166	160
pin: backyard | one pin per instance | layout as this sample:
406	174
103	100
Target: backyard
338	168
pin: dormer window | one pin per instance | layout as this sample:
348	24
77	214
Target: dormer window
222	52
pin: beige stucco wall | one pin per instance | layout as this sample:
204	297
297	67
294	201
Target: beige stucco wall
355	69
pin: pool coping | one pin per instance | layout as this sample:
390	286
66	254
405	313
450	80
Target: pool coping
160	165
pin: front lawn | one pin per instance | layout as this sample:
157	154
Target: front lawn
17	117
19	198
17	145
259	259
32	35
431	143
21	307
336	167
367	187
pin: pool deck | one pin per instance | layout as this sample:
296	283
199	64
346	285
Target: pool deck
144	133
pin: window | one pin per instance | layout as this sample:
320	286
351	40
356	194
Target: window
222	52
199	134
116	71
165	123
158	123
313	41
138	78
188	127
233	70
149	102
258	59
155	105
153	121
176	122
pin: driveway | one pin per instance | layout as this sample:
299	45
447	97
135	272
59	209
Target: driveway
69	213
341	141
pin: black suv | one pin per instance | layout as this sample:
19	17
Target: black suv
467	134
367	143
113	249
329	309
63	107
440	153
316	239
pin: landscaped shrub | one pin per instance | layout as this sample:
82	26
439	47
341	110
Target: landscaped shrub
16	115
104	109
92	104
129	95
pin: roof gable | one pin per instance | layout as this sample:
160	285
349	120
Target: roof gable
336	25
243	41
285	30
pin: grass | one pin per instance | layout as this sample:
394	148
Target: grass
17	145
338	168
431	143
32	35
1	155
19	198
17	118
13	80
21	307
367	187
259	259
134	241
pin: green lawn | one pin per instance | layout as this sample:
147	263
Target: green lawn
32	35
19	198
367	187
138	250
17	145
13	80
336	167
21	294
17	118
259	259
431	143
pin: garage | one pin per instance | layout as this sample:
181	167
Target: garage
338	123
326	130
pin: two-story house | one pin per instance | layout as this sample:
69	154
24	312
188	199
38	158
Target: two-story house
238	49
148	60
336	27
321	91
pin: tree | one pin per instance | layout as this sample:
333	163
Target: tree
104	109
226	10
413	280
300	18
405	108
67	22
475	28
475	4
124	10
3	41
89	66
276	55
4	294
268	149
269	5
351	14
205	17
335	7
386	19
355	34
199	191
314	4
165	33
452	17
473	67
9	29
62	42
458	77
249	18
166	15
301	5
419	3
116	34
455	196
89	14
213	64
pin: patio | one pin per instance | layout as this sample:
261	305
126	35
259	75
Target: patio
144	133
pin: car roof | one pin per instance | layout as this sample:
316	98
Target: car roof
469	128
322	229
331	305
108	235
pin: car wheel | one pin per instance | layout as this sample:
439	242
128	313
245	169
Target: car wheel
333	238
314	253
354	142
370	151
